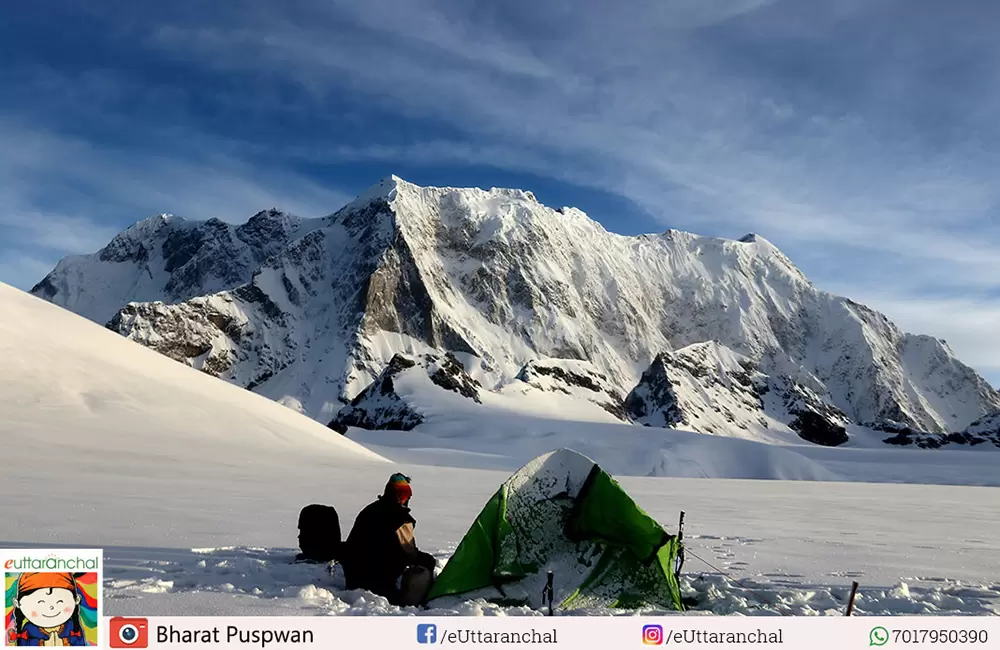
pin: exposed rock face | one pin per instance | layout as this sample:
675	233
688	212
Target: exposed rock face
711	389
815	419
813	427
309	312
577	379
383	404
988	427
378	406
449	374
654	402
985	431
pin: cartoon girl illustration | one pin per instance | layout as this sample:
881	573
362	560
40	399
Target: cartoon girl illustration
47	611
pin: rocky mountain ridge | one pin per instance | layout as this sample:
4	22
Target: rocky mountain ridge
310	312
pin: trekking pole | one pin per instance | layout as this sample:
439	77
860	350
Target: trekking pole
850	603
547	593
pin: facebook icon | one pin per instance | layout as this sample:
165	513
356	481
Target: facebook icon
427	633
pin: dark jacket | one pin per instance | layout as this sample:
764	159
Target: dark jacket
380	547
32	635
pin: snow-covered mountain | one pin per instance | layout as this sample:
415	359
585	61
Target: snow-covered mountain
708	387
168	258
311	314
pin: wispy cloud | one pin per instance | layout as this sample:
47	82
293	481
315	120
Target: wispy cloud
199	181
61	195
860	136
719	118
22	270
674	122
50	231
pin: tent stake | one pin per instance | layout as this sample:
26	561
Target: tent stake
850	603
548	594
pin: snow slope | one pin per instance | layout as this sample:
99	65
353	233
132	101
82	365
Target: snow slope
503	280
451	429
86	414
505	431
193	487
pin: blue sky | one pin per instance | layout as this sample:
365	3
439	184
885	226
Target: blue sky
860	136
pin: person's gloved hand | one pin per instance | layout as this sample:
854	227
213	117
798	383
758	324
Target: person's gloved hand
427	561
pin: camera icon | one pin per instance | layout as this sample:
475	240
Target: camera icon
128	633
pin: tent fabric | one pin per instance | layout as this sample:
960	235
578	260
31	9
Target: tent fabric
477	562
562	513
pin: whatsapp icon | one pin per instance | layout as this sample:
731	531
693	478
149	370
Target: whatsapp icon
879	636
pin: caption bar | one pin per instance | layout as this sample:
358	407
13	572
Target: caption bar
394	632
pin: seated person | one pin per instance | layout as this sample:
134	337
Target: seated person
381	555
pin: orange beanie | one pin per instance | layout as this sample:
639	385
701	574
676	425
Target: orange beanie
32	581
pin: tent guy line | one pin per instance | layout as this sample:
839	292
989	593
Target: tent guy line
730	576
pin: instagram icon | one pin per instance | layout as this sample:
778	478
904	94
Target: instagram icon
652	634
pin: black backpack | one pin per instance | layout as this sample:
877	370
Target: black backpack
319	534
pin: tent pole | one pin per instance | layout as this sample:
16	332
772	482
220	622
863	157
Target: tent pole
854	592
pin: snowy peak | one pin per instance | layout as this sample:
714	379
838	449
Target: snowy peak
269	227
385	189
133	243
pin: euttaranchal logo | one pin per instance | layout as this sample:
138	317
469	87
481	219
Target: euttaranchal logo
52	597
52	563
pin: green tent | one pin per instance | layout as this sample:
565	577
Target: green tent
562	513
